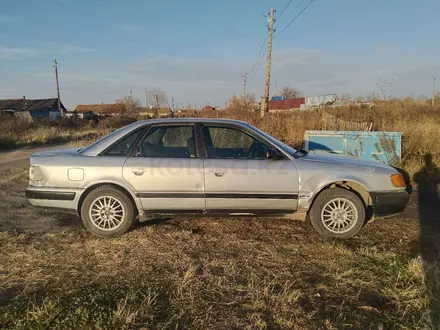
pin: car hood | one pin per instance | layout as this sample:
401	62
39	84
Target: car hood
58	152
343	160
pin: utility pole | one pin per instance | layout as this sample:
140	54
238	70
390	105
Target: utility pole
433	91
131	93
244	83
157	107
55	65
172	108
265	98
146	99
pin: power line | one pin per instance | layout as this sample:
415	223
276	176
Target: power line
284	9
254	66
294	19
296	7
258	66
262	45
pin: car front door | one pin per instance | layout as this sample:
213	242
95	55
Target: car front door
166	170
240	179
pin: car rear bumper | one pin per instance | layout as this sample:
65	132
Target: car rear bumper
53	198
387	203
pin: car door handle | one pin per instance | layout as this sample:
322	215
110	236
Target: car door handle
138	171
219	173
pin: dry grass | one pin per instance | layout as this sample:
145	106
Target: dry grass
213	274
18	133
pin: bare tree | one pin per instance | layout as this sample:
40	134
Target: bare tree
370	97
129	106
385	86
346	96
245	102
289	92
157	98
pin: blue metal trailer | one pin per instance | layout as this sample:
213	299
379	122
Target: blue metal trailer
381	146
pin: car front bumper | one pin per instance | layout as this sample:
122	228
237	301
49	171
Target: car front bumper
390	202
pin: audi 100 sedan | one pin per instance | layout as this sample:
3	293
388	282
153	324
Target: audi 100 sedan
213	167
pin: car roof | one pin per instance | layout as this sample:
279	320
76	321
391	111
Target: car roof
192	120
100	145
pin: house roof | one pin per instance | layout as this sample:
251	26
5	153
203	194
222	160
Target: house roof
28	105
99	108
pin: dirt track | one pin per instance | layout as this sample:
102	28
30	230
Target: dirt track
20	157
17	214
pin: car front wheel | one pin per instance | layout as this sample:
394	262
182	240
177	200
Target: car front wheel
107	211
337	213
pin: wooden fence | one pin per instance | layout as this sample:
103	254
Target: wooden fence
330	122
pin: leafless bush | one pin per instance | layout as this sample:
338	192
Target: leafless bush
242	103
114	122
289	92
129	106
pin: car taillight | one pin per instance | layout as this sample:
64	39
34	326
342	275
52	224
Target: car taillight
36	176
398	180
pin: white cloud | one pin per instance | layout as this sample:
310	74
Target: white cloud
67	48
20	53
196	79
17	53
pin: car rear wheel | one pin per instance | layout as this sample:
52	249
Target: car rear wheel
337	213
107	211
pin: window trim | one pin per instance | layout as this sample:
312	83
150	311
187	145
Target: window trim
242	129
133	147
190	124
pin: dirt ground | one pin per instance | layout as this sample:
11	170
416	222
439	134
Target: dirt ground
232	273
17	214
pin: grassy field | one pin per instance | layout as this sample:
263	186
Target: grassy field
225	273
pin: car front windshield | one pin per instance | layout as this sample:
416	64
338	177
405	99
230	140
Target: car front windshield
275	141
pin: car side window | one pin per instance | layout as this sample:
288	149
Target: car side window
123	147
168	142
226	142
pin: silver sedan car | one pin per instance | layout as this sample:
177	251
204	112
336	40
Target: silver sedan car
212	167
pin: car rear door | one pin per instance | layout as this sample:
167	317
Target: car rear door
239	178
166	170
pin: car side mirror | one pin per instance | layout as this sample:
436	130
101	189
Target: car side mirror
273	154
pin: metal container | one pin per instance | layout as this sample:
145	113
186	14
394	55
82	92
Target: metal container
286	104
380	146
319	100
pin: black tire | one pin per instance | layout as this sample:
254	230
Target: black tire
321	201
127	221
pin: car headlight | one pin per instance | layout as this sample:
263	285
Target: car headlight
36	176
